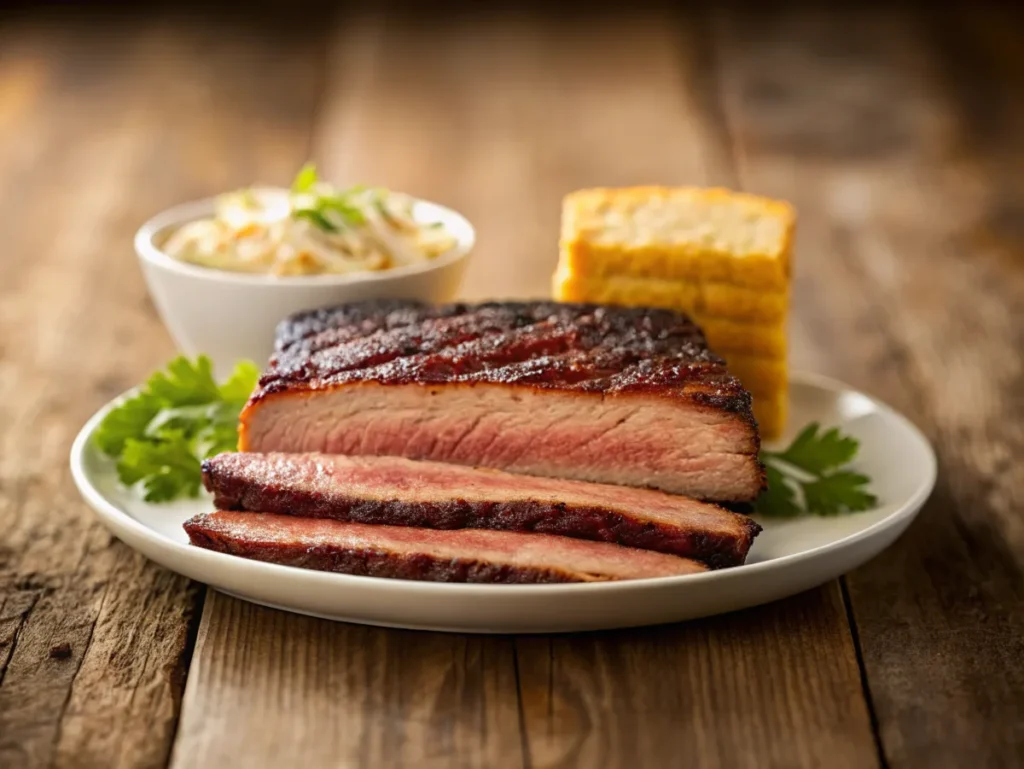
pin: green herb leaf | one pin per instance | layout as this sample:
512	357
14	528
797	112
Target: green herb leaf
343	207
130	418
317	217
809	476
842	491
185	383
330	209
179	417
216	438
166	468
779	498
182	419
305	179
818	453
239	386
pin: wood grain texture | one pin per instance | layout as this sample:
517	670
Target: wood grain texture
768	687
283	690
99	129
500	120
907	174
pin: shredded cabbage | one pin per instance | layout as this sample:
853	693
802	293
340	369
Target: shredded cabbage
311	229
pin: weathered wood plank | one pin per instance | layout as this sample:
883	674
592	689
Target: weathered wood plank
902	150
769	687
500	120
272	689
100	127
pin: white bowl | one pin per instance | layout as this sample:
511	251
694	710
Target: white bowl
231	316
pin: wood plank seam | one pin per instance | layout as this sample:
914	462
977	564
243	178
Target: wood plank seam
185	663
851	621
524	741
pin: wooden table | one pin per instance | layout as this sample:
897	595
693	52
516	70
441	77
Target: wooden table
897	135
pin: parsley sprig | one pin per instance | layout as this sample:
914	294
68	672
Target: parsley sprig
811	476
160	435
328	208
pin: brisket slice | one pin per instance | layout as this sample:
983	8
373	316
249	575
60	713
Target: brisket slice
465	555
629	396
405	492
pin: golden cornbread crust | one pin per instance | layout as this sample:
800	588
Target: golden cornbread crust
724	335
688	242
721	300
761	376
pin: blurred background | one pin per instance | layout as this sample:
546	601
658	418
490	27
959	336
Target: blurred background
903	117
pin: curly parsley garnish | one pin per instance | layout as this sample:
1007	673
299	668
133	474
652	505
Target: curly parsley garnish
810	476
160	435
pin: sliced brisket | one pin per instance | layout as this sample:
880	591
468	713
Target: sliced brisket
464	555
614	395
404	492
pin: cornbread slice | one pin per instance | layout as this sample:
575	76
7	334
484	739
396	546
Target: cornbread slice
569	286
724	335
681	233
729	336
725	300
758	374
722	300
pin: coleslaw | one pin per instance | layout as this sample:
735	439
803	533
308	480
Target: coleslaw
313	228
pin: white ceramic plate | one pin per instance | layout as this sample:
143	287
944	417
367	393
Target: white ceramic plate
788	557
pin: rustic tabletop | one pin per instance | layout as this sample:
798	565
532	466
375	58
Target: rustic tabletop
898	135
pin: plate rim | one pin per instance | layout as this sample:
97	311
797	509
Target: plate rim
122	524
